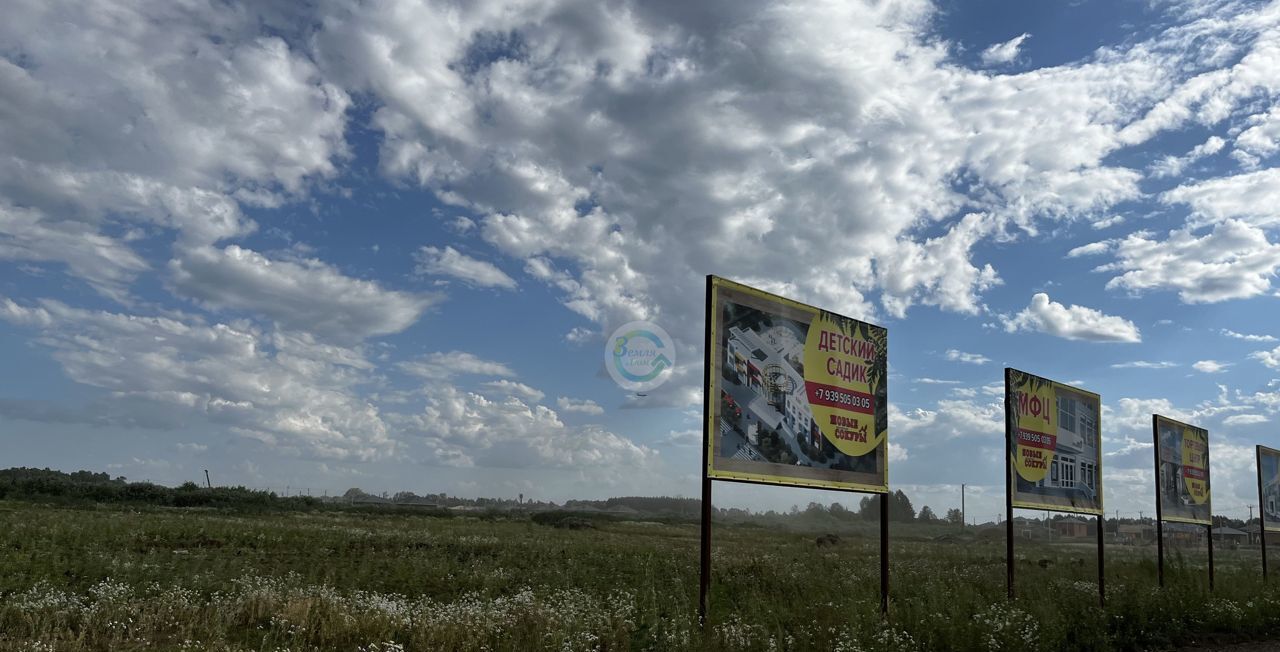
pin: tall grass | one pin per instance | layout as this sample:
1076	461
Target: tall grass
157	578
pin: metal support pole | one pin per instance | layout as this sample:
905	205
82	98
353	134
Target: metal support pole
1102	567
1155	434
884	554
1008	483
704	578
1211	550
1262	512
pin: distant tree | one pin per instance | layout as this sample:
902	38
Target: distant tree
926	515
900	508
868	509
954	516
815	508
837	510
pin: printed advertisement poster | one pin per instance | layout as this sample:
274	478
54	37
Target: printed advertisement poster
798	395
1269	481
1056	444
1183	482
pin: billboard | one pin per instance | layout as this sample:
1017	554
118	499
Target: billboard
1055	444
1269	487
1182	452
796	395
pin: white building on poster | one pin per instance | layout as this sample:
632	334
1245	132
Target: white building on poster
1075	459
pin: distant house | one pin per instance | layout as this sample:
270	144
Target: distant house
1070	527
1136	533
1255	533
1183	534
1230	536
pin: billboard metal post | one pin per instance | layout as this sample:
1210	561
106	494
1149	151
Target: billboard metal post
1211	553
1155	438
1262	511
884	555
1102	567
704	576
1008	484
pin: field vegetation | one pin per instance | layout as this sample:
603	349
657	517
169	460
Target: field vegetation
130	577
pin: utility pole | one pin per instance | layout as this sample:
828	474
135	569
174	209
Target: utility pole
1250	513
206	479
963	523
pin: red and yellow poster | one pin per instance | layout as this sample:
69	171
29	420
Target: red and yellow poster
798	395
1183	487
1055	444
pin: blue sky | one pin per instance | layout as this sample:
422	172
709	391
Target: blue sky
380	245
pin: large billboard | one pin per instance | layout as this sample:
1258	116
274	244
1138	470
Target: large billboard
1269	487
1182	452
1055	444
796	395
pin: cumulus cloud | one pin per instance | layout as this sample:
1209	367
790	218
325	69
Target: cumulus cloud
514	388
1253	198
1210	366
1247	337
968	358
1003	53
149	113
1172	166
1233	261
444	365
1270	358
304	294
451	262
1244	420
582	406
466	429
1144	364
287	390
1071	322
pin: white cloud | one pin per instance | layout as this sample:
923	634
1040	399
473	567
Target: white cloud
1270	358
683	438
583	406
1143	364
465	429
969	358
1071	322
1091	249
1107	222
516	389
445	365
1244	420
1253	197
305	294
451	262
1172	166
1247	337
1260	140
1234	261
950	419
1003	53
142	112
1210	366
287	390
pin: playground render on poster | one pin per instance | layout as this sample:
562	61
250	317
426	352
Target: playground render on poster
800	393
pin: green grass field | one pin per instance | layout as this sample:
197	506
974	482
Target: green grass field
114	578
